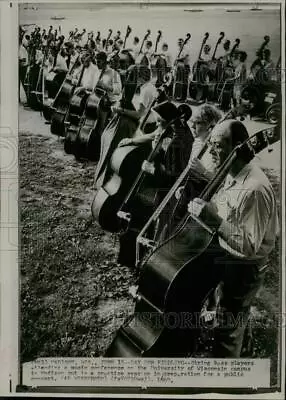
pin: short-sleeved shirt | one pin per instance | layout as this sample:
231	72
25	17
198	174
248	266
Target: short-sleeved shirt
147	95
247	205
23	56
90	76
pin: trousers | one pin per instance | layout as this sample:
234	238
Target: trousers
239	288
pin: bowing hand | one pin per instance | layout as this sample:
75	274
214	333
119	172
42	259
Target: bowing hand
205	211
116	109
196	165
148	167
125	142
179	192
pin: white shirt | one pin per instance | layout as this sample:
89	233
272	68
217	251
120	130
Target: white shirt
135	51
73	59
206	57
90	76
248	208
206	159
196	147
147	95
23	55
39	56
112	77
168	57
60	63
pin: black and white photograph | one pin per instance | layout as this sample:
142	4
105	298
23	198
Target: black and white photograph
150	186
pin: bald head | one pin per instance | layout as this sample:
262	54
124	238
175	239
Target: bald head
232	131
225	137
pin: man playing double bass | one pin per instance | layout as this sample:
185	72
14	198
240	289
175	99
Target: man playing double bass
202	122
147	95
89	76
109	79
244	214
23	66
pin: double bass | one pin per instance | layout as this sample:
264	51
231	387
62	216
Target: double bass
197	87
171	210
177	277
60	106
158	63
36	97
74	117
54	79
125	163
120	127
257	65
112	193
107	39
32	76
224	88
214	72
97	109
125	58
181	74
142	59
170	155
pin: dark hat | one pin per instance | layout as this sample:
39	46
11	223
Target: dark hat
167	111
69	45
101	55
185	111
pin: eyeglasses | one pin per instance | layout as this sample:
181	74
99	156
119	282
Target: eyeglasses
197	122
214	145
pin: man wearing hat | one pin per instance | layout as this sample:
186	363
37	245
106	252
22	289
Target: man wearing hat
202	122
168	163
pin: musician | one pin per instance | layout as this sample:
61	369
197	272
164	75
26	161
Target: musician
147	95
223	54
268	66
118	45
109	47
98	44
206	56
167	56
181	73
148	50
109	79
90	74
240	76
167	168
23	65
184	57
135	49
202	122
26	41
57	61
244	214
104	44
70	54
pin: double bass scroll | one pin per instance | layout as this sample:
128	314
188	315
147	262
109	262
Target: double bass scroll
142	59
181	75
197	87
